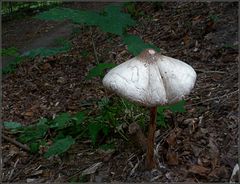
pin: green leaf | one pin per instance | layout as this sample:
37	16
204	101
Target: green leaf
178	107
105	129
59	136
60	146
42	121
33	133
94	128
136	45
44	52
114	21
11	51
111	20
160	117
61	121
79	117
76	16
106	147
11	67
34	147
103	102
11	125
98	71
131	8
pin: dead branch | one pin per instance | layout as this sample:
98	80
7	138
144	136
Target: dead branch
13	141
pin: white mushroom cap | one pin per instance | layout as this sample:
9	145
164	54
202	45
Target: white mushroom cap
151	79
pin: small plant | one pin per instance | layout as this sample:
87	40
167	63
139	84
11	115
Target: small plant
110	20
64	127
136	45
213	18
178	107
11	51
55	136
11	67
63	44
99	70
132	10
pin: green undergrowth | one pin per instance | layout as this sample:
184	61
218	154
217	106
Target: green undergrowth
111	20
62	46
101	125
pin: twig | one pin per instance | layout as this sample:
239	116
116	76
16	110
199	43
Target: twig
12	171
24	147
214	98
94	48
209	71
135	167
21	170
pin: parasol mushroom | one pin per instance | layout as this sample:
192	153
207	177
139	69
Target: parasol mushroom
151	79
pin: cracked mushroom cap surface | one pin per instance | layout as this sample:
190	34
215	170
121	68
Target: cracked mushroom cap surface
151	79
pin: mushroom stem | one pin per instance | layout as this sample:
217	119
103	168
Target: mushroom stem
150	162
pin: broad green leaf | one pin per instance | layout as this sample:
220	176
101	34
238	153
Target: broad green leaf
136	45
109	146
98	71
160	117
103	102
111	20
42	121
11	125
178	107
61	121
114	21
76	16
12	65
59	136
11	51
94	128
105	129
60	146
132	9
33	133
34	147
44	52
79	117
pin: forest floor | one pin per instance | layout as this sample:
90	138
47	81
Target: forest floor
198	146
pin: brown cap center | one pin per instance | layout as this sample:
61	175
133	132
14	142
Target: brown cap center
148	56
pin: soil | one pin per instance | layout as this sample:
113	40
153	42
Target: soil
199	146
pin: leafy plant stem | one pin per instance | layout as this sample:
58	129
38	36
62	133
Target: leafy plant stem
94	48
80	135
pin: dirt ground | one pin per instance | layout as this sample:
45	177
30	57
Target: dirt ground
199	146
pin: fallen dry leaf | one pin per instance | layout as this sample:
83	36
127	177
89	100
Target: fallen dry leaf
171	140
197	169
46	66
29	113
220	172
186	39
172	158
